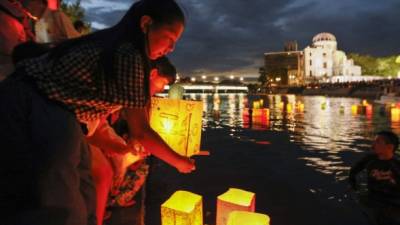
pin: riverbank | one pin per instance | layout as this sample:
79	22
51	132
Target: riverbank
266	163
363	89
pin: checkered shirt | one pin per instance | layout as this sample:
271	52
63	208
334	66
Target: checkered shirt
77	80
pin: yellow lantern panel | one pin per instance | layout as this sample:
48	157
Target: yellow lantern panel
247	218
182	208
234	200
178	122
238	197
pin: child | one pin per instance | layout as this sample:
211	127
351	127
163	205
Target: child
112	155
382	202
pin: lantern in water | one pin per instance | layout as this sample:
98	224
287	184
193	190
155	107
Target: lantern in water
354	109
368	111
289	108
395	114
300	107
323	106
341	109
234	200
364	102
247	218
178	122
182	208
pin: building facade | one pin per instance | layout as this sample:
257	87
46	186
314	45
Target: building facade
319	62
285	68
322	60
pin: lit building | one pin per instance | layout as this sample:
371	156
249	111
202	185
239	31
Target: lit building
285	68
322	60
319	62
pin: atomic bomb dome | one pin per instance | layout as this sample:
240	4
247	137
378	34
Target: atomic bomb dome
324	37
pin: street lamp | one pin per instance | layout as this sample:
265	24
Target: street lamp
216	78
232	77
203	77
241	78
193	79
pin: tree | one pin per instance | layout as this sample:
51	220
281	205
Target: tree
76	12
384	66
263	76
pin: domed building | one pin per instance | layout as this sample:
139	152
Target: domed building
322	60
325	40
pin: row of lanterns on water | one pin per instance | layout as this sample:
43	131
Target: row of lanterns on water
234	207
260	115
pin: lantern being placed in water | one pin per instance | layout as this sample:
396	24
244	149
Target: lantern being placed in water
247	218
179	123
234	199
182	208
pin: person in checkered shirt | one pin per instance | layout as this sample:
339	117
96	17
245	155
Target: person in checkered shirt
45	168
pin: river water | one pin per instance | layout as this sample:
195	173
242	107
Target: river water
326	127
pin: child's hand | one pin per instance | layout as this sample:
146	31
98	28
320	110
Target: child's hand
185	165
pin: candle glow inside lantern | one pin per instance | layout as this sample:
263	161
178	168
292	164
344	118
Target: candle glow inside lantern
178	122
182	208
247	218
234	200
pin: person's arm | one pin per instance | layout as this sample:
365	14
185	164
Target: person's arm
141	131
357	168
105	138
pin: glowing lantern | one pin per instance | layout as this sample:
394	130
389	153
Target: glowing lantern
395	114
289	108
364	102
53	4
323	106
234	200
247	218
256	105
182	208
341	109
368	111
300	107
179	123
354	109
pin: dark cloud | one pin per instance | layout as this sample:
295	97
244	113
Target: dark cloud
232	35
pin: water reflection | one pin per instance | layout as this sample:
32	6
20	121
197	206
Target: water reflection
324	127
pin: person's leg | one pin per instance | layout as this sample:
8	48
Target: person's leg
102	172
46	160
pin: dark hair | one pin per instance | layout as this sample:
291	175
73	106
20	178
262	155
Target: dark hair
165	69
127	29
390	138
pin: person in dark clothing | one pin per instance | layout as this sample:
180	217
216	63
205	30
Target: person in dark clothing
45	165
382	201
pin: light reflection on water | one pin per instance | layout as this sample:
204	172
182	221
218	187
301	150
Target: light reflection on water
326	127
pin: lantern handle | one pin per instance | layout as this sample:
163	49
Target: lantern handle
203	153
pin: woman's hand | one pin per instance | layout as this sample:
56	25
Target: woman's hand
185	165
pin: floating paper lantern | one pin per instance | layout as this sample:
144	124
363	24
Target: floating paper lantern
234	200
323	106
289	108
341	109
300	107
364	102
178	122
368	111
395	114
354	109
182	208
247	218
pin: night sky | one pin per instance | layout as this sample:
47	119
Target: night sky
225	37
